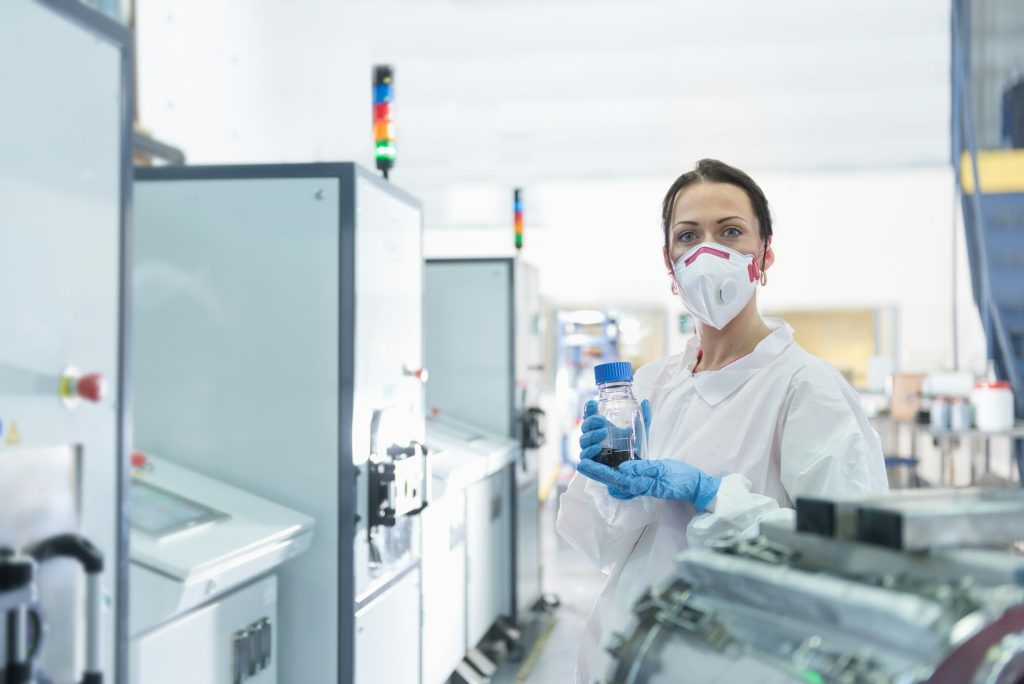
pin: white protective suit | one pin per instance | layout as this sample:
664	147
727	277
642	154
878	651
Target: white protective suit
775	424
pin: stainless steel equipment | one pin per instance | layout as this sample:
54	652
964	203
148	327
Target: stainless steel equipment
64	195
825	606
278	318
484	346
200	553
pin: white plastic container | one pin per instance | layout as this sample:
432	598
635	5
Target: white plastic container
993	406
959	415
940	413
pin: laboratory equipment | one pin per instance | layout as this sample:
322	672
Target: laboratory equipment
277	316
444	565
65	158
940	413
961	416
993	406
920	519
467	545
483	338
947	384
798	606
19	616
24	625
198	548
626	433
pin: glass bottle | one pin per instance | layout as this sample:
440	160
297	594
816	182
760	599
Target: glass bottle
627	436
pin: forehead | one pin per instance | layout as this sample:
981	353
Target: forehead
722	199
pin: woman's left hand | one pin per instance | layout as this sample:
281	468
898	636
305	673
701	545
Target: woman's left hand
663	479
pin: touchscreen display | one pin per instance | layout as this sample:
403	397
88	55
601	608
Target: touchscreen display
158	512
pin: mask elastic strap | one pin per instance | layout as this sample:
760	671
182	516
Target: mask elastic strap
764	259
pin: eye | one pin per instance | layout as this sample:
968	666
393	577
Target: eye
732	231
686	236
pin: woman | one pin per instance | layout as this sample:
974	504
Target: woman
740	424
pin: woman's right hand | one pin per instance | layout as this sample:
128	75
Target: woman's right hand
595	428
595	432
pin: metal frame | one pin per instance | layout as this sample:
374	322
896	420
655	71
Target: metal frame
963	128
346	173
341	170
121	37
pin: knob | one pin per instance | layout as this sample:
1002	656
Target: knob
92	387
138	460
74	387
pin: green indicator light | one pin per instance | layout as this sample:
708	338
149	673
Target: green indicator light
519	241
813	677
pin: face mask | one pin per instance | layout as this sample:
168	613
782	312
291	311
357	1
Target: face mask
716	282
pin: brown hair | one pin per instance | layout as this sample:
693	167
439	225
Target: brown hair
714	171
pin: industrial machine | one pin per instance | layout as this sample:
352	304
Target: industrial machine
467	546
198	547
484	346
923	586
64	193
444	566
277	317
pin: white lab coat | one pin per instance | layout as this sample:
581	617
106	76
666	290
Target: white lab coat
775	424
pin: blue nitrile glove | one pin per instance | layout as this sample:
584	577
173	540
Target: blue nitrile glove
595	430
662	479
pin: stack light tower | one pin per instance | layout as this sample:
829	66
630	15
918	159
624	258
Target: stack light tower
383	122
517	213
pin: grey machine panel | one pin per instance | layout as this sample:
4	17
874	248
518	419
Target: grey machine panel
277	317
467	541
482	333
488	566
157	656
64	196
469	340
444	584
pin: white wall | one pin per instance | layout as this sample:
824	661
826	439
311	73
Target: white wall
842	239
839	109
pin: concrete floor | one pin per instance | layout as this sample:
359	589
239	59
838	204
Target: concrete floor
552	642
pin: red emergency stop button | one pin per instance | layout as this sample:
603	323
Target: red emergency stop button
138	460
75	387
92	387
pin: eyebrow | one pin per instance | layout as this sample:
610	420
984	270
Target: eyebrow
721	220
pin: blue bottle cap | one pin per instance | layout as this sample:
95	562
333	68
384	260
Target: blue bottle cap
617	371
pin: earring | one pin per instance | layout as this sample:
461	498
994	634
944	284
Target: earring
675	290
764	278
